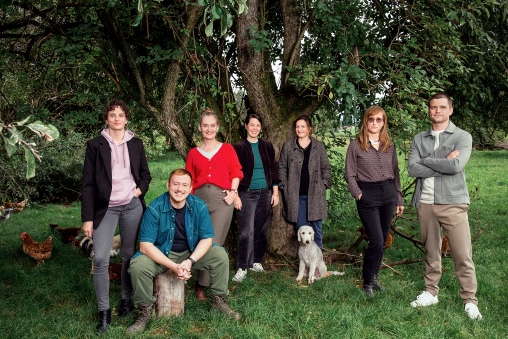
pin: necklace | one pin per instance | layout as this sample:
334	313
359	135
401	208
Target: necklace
374	142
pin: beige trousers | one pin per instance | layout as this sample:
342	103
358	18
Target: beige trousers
454	220
221	214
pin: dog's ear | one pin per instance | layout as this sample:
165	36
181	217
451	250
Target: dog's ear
312	234
299	236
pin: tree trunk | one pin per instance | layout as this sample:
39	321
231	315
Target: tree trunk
169	292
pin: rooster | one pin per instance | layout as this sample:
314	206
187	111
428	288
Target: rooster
67	235
38	251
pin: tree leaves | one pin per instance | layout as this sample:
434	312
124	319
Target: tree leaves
30	163
46	131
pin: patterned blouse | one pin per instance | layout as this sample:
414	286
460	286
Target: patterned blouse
371	166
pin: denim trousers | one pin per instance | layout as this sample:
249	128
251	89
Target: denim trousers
376	208
128	217
254	220
317	225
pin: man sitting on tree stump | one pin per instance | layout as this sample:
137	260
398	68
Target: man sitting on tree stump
176	233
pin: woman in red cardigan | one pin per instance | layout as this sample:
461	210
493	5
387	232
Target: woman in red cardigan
216	174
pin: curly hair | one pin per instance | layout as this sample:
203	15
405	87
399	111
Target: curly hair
110	106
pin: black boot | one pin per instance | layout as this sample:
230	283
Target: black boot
367	290
125	308
377	286
104	320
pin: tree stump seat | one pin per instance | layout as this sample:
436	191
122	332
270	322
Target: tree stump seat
169	292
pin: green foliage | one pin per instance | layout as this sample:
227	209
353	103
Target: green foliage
222	10
260	40
13	138
58	179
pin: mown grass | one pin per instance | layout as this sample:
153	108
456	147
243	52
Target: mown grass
57	300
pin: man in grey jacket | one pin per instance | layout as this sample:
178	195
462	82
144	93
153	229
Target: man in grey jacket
437	159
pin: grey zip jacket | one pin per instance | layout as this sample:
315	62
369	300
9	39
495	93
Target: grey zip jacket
449	175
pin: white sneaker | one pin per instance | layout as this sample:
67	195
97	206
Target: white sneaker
472	311
257	267
240	275
425	299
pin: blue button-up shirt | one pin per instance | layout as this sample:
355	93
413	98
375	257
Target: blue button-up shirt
158	224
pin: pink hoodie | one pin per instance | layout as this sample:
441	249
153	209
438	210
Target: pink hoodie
123	185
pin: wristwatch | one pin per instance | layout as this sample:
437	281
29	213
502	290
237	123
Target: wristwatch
192	261
234	190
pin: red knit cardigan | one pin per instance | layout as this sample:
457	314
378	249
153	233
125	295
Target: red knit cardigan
220	170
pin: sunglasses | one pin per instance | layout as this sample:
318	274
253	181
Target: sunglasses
377	120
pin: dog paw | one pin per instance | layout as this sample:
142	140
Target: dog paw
299	278
311	279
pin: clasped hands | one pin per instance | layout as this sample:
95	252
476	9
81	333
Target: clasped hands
183	270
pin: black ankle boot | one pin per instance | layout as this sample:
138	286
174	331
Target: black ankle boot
125	308
377	286
367	290
104	320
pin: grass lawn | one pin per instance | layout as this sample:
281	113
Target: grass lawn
57	299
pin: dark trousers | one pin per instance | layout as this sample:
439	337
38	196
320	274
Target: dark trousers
254	219
376	208
317	225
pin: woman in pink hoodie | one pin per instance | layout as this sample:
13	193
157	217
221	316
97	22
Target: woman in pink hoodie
115	179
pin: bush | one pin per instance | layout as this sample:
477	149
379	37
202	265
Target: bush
57	178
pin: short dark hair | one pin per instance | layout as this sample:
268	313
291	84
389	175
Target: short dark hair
110	106
441	95
180	171
253	116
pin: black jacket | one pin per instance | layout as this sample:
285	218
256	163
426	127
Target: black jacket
246	157
96	187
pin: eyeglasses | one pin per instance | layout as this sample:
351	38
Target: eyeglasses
377	120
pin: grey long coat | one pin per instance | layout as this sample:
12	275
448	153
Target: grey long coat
290	167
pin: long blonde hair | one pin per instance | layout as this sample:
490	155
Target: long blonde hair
363	136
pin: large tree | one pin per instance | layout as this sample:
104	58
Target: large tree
278	58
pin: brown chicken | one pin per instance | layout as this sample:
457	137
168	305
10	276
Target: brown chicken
389	240
115	271
67	235
38	251
445	247
16	206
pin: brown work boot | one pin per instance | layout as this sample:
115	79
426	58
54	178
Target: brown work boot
200	292
145	312
220	303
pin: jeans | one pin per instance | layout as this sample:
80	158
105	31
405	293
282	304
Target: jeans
128	217
376	208
254	219
317	225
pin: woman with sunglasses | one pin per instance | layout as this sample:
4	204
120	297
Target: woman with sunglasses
372	175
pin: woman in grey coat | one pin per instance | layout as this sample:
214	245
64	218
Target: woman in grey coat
305	174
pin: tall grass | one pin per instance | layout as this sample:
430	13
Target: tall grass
57	300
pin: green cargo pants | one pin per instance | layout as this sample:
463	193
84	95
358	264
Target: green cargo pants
143	270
